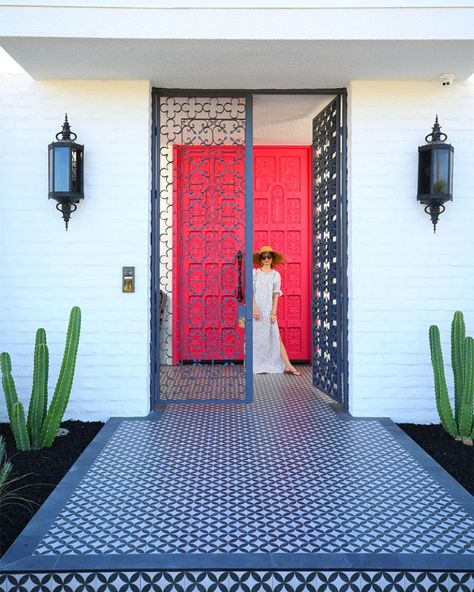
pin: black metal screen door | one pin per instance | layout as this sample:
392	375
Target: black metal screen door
329	299
204	179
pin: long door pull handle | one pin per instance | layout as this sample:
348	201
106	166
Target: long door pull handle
240	295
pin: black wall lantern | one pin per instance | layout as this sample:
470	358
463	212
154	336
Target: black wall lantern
66	171
435	173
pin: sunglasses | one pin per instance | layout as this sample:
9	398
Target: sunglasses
269	256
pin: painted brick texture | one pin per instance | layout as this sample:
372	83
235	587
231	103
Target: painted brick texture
46	270
403	278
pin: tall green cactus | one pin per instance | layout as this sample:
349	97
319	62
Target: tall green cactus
39	393
458	335
18	425
460	424
42	425
41	339
8	383
466	420
63	386
441	388
16	413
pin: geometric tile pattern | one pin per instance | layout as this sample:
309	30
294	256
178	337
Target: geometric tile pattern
244	581
202	382
286	474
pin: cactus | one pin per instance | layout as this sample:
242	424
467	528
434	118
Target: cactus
460	424
39	393
42	425
16	414
64	384
41	338
465	414
18	426
458	335
441	389
8	383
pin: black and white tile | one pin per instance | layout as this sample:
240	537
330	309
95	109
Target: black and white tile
283	475
239	581
216	488
203	382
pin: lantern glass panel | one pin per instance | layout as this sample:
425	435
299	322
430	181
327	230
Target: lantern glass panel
76	162
440	171
61	168
424	172
51	169
450	178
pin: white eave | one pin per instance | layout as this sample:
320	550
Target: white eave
245	44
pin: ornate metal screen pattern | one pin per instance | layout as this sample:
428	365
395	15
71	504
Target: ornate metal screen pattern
201	242
328	263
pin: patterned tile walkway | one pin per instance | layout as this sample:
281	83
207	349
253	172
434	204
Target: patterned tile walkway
285	475
203	382
286	482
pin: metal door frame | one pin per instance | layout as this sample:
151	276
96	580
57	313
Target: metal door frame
155	213
155	243
331	376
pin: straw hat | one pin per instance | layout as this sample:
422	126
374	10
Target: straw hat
277	256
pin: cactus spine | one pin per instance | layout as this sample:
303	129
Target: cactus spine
460	424
42	425
63	386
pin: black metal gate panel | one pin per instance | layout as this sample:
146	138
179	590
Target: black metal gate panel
329	285
203	195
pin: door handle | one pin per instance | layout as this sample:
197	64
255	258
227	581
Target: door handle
240	295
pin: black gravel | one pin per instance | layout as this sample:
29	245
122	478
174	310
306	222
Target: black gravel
42	470
454	456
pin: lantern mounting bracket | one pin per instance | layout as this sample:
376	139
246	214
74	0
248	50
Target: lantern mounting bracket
436	134
66	132
66	209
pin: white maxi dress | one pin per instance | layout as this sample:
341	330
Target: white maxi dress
266	336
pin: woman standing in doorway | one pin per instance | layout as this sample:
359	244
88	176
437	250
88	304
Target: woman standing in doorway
269	353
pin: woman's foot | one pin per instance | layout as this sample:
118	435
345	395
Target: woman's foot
292	370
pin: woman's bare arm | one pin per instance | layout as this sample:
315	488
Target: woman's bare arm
274	307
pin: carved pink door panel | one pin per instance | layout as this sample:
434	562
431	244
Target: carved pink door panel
208	226
282	219
207	204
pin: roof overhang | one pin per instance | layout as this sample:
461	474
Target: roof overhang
248	44
240	64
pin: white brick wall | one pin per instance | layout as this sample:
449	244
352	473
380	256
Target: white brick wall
403	278
46	270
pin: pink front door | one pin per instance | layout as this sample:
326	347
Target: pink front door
208	213
208	225
282	219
